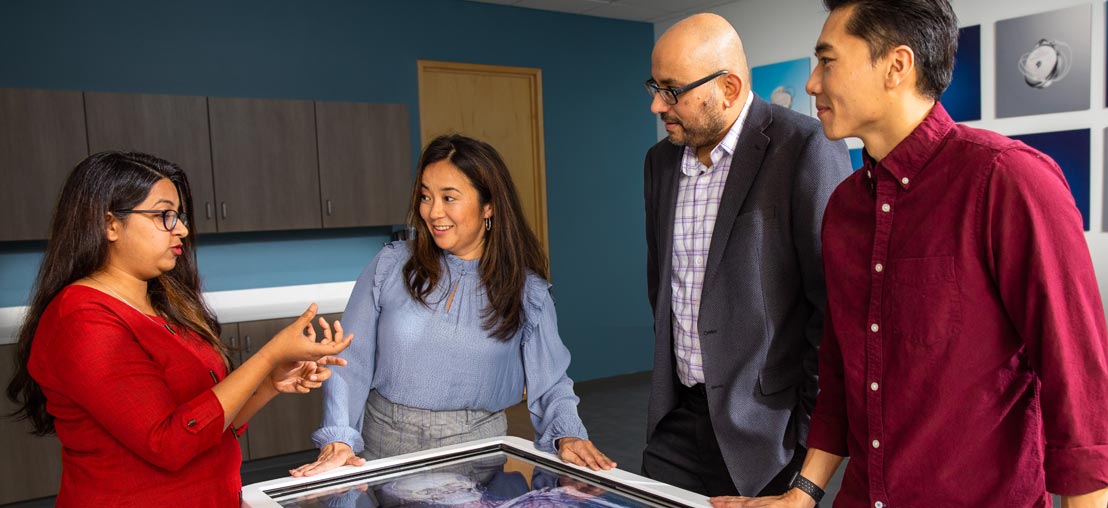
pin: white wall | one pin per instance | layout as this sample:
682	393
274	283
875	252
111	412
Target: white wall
778	30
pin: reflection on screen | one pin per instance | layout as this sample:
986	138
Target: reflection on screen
495	480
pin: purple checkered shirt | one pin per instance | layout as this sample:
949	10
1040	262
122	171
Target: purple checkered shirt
698	195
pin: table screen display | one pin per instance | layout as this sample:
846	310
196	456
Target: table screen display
493	479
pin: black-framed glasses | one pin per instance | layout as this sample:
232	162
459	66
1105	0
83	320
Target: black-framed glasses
669	95
170	218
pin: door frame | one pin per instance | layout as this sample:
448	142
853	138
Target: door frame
534	77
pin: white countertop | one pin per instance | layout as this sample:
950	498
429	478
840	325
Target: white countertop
235	306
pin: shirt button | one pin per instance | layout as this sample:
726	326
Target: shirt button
879	267
699	261
904	181
876	443
874	386
885	208
879	504
873	328
191	423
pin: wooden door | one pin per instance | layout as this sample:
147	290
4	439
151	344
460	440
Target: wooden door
264	163
42	137
499	105
30	466
172	127
365	163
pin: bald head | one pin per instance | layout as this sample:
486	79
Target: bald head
702	44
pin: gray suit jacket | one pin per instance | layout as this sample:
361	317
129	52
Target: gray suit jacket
761	309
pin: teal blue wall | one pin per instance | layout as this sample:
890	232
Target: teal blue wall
597	124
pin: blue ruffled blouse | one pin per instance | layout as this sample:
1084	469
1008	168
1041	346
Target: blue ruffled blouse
429	357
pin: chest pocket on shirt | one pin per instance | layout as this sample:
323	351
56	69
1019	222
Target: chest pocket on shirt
925	300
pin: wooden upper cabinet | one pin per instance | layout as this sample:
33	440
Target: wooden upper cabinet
42	137
264	164
172	127
365	163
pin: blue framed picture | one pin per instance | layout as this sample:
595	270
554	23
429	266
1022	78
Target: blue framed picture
856	161
783	83
962	99
1070	149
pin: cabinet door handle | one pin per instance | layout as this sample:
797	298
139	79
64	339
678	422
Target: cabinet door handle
208	209
234	342
223	209
328	207
248	345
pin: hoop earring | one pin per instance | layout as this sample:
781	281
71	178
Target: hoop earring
488	223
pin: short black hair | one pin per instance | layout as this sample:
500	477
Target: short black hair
929	27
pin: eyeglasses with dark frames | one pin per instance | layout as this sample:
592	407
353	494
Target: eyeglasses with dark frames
170	218
669	95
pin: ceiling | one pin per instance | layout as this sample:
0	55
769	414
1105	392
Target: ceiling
650	11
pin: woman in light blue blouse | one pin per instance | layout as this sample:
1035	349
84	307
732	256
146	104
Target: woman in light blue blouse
451	326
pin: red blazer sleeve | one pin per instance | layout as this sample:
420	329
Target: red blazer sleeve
108	374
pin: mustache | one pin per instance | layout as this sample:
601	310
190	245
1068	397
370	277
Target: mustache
669	119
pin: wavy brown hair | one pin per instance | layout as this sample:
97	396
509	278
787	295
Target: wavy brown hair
510	250
107	182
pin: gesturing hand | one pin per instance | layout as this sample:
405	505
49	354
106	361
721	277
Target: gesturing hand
332	455
302	377
297	342
583	453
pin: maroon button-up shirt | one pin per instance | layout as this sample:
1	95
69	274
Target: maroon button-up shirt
965	359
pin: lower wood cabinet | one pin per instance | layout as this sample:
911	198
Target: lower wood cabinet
230	337
285	424
30	466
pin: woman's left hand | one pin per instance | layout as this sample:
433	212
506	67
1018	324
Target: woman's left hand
583	453
303	377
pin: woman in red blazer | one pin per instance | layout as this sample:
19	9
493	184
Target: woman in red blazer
120	356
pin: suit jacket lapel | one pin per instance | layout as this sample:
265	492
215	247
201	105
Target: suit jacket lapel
745	164
669	171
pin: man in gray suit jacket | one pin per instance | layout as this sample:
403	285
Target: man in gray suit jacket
734	203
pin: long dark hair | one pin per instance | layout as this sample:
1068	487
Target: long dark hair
78	247
511	248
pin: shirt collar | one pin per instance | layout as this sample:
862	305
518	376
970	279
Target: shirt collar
457	263
909	156
726	146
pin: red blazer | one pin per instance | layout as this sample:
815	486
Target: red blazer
133	407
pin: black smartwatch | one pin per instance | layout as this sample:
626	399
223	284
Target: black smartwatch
806	486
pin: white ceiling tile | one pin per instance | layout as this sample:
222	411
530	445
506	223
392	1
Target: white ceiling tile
630	12
651	11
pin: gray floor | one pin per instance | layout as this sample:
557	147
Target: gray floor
614	411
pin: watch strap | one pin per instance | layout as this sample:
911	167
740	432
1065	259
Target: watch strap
806	486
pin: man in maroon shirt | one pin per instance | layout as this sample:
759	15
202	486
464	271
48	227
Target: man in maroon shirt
965	355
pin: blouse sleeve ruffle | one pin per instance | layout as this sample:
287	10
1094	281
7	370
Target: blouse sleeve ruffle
550	397
346	393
